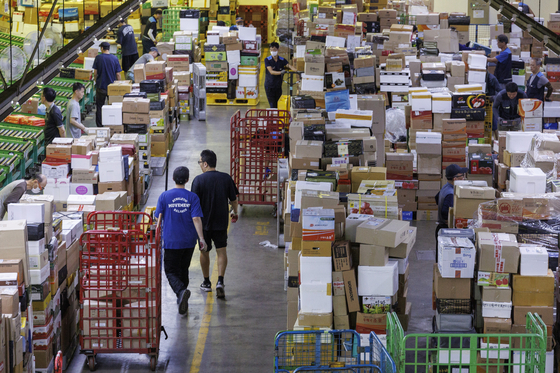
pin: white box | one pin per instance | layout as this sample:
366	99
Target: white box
519	357
313	83
247	33
477	61
316	297
527	180
421	101
441	103
38	276
309	185
110	154
189	24
233	70
532	124
518	79
534	260
88	63
111	171
36	248
315	269
81	189
551	109
58	188
233	57
500	351
476	76
75	199
519	141
378	281
456	257
530	108
39	261
32	212
352	222
212	39
318	224
55	172
81	162
111	115
248	76
402	264
501	310
73	229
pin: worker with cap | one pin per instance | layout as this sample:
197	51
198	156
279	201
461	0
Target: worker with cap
148	57
150	32
106	69
506	103
127	41
502	61
12	192
444	198
538	82
239	22
274	65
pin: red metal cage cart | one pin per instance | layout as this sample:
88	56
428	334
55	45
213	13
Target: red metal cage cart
120	292
257	141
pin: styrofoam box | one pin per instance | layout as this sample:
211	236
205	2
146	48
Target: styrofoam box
212	39
38	276
32	212
81	189
441	103
534	260
378	281
309	185
233	57
454	356
494	351
519	141
189	24
402	264
316	297
36	248
75	199
476	76
421	101
110	154
477	61
527	180
315	269
111	115
519	360
551	109
76	228
81	162
111	171
312	83
246	33
530	108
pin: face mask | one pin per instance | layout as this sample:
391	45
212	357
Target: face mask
273	53
36	190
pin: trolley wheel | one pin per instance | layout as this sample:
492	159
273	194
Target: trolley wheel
153	363
91	363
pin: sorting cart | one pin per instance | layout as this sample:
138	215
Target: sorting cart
257	141
120	293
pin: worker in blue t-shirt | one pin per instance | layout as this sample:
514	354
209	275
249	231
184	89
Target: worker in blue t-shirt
182	225
503	62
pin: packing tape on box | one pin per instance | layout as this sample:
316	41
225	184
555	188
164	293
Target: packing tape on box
500	262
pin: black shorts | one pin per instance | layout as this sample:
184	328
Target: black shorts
218	237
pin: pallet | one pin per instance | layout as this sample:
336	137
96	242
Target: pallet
210	101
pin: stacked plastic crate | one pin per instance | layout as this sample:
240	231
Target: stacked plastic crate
199	90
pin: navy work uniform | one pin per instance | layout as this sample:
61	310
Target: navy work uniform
536	85
149	35
273	83
503	67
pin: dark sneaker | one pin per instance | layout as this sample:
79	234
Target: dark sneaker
206	286
184	301
220	293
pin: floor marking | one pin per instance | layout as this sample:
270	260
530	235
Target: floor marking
261	229
205	324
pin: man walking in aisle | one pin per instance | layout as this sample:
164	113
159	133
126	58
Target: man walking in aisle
215	190
106	69
54	126
74	126
150	32
182	225
129	49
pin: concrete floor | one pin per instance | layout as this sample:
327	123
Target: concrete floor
237	334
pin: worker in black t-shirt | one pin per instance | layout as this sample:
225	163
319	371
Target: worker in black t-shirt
54	125
215	190
150	32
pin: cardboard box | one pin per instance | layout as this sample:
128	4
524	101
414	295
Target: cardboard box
367	323
351	290
533	290
119	88
342	256
383	232
373	255
520	314
498	252
316	248
321	320
496	294
451	288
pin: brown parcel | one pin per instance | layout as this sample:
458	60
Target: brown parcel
13	235
351	289
496	325
404	249
373	255
508	250
496	294
339	305
533	290
383	232
451	288
342	256
322	320
520	314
